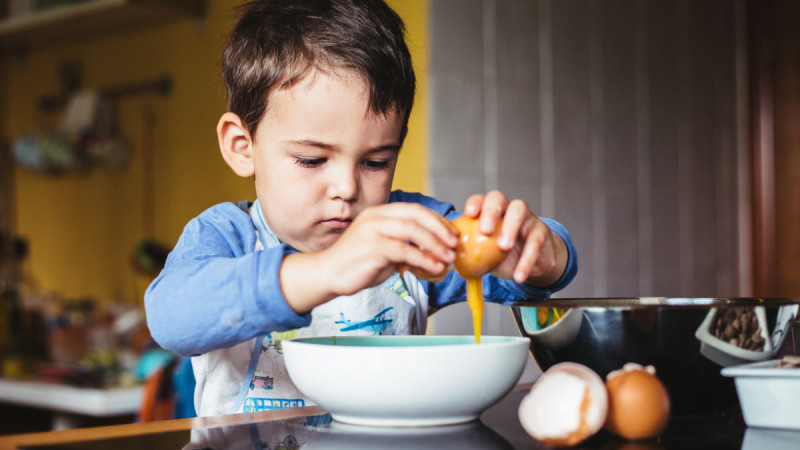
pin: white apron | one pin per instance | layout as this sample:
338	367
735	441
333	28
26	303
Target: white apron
251	376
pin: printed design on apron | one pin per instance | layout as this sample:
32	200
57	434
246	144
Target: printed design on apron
270	387
263	394
378	324
263	380
397	284
382	310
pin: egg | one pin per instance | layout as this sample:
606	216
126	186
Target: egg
565	406
476	253
638	403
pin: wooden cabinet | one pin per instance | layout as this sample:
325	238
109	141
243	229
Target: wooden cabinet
92	18
775	118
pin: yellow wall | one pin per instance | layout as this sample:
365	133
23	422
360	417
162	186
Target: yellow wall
412	169
82	228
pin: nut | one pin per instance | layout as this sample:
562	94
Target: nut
738	327
789	361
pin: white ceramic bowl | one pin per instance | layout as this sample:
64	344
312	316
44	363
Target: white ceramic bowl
405	380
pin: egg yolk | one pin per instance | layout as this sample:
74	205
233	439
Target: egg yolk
476	254
475	302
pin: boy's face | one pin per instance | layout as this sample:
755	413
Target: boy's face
321	158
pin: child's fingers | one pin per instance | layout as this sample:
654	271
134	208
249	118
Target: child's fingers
421	238
420	227
515	216
404	255
473	205
425	218
535	257
494	206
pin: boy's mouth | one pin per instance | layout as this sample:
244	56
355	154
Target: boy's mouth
338	223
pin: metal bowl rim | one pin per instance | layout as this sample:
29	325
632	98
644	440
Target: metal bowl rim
655	302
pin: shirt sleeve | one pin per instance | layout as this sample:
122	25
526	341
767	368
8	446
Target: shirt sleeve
215	289
453	288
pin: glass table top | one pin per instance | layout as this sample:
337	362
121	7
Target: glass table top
498	428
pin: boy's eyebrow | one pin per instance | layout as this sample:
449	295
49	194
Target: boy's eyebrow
310	143
324	146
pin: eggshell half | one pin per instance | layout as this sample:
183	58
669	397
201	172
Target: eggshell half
565	406
476	253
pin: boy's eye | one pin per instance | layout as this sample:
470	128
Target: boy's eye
309	162
376	164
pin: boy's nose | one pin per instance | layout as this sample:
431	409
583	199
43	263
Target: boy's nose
344	185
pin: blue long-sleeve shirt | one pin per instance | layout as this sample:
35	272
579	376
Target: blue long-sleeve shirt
216	291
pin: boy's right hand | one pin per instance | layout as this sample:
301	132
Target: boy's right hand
380	239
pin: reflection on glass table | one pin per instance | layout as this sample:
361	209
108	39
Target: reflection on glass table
498	428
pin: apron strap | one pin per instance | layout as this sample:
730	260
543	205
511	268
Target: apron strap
251	370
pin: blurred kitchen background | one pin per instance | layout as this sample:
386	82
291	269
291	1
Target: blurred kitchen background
663	133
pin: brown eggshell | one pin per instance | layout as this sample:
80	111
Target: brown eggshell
638	404
476	253
565	406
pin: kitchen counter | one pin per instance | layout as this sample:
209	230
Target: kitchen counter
310	428
72	399
69	403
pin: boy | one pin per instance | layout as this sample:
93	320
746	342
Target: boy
319	95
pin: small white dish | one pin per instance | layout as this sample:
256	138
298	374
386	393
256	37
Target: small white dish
769	395
726	354
405	380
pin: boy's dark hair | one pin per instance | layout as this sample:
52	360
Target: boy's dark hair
275	42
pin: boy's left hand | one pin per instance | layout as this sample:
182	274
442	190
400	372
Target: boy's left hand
536	256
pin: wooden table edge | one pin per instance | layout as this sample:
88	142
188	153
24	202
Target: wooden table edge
161	426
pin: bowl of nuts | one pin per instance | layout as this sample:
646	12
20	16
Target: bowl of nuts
687	340
731	336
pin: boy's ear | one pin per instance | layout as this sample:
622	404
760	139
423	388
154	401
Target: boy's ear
236	144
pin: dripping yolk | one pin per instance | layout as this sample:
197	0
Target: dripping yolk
476	255
475	302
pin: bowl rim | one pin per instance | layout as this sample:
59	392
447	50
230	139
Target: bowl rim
449	342
758	369
654	302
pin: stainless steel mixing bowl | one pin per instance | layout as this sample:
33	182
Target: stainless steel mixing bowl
687	340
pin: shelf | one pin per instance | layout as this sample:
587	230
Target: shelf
91	19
